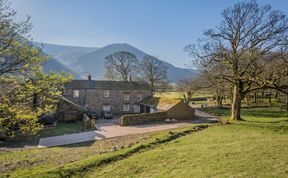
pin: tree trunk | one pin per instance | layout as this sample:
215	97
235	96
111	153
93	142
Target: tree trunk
248	100
219	101
236	104
270	97
287	102
255	97
276	94
262	94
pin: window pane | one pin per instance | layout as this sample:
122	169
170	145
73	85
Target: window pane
106	93
76	93
136	108
126	107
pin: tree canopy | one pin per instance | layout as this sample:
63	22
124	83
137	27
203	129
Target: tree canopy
121	65
154	71
25	91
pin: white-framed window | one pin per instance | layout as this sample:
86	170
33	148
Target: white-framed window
106	93
126	97
75	93
106	107
139	97
126	107
136	108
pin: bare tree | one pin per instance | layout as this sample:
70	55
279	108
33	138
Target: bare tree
204	82
110	74
189	86
249	40
120	65
215	85
154	71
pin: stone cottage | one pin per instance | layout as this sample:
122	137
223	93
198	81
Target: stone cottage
119	97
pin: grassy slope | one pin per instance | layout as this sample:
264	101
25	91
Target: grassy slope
18	162
245	149
225	151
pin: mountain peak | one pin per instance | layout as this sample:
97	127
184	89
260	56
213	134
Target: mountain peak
119	46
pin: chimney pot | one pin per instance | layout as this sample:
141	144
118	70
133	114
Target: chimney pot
89	77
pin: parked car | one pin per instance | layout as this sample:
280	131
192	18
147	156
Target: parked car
108	115
92	114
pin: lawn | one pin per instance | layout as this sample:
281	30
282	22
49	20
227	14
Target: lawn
260	114
60	129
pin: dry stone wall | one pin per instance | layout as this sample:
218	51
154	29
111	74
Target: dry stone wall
138	119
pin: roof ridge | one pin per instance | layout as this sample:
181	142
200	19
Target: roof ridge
108	84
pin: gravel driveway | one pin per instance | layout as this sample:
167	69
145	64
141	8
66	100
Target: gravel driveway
109	129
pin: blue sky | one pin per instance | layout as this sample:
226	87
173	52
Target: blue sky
158	27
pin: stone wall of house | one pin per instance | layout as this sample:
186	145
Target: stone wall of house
138	119
81	99
67	112
95	99
181	111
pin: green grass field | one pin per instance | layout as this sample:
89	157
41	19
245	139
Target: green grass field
60	129
221	151
260	114
20	162
257	147
179	95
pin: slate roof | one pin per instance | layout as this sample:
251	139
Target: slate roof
107	85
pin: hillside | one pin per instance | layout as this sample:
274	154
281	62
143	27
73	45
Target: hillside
65	54
54	65
231	151
83	60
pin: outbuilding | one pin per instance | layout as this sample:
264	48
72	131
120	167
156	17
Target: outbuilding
174	108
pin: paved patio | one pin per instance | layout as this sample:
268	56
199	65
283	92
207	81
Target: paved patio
110	129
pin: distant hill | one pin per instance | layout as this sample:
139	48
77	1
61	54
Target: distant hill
94	62
54	65
83	60
65	54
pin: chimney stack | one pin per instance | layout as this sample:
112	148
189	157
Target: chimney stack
89	76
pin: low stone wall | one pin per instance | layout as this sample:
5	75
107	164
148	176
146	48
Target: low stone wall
88	124
138	119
